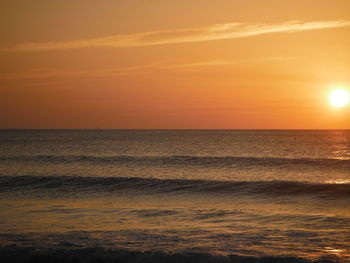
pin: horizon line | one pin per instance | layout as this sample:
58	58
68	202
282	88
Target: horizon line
174	129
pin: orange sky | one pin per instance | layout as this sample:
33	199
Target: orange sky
173	64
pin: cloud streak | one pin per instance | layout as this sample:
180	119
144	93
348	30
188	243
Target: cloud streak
122	71
187	35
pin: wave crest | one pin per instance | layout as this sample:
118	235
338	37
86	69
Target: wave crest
154	185
204	161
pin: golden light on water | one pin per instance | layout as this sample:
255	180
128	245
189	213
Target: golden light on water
339	98
334	251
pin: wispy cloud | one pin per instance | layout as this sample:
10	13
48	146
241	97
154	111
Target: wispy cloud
187	35
53	73
44	73
219	62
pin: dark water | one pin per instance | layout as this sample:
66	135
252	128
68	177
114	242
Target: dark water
250	193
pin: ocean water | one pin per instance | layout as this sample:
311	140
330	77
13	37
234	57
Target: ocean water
244	192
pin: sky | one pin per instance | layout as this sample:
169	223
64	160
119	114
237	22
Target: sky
184	64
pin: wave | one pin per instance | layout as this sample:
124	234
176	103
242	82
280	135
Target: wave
154	185
30	254
204	161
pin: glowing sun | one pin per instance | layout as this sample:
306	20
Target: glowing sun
339	98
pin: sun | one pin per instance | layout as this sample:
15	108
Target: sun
339	98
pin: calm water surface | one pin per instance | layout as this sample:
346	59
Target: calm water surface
245	192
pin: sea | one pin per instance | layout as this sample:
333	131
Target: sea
252	193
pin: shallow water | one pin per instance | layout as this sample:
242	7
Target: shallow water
254	193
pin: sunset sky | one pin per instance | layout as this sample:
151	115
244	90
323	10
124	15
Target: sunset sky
184	64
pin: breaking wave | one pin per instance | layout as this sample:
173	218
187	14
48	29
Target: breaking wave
154	185
205	161
22	254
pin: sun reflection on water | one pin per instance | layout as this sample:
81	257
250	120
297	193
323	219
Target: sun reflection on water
339	181
334	251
